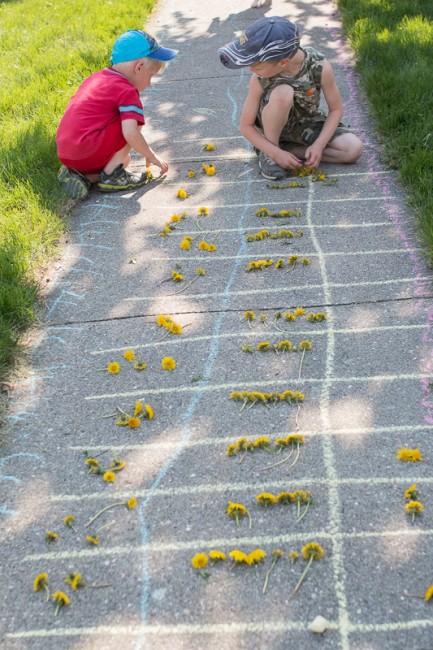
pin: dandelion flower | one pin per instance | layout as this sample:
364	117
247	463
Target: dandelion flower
428	595
185	244
191	173
239	557
138	407
69	521
209	146
131	503
310	552
140	365
92	539
176	277
286	498
262	442
161	320
50	537
175	328
150	412
175	218
406	455
262	212
202	211
414	508
60	599
231	450
74	580
256	556
181	194
263	346
129	355
113	368
203	246
109	477
305	345
40	582
210	170
200	271
300	311
117	465
289	316
293	556
199	561
134	422
168	363
411	493
266	499
237	510
217	556
249	316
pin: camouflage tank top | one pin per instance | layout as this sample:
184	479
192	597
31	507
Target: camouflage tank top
306	85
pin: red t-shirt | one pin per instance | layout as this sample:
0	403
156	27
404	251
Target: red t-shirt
103	99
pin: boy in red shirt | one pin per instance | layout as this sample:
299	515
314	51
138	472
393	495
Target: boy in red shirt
103	120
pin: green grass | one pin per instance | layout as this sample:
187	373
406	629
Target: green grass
46	50
393	41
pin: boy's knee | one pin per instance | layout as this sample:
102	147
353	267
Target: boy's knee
282	96
355	150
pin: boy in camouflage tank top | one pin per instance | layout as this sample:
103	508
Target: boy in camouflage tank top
281	116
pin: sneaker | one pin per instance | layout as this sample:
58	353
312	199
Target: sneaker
120	180
74	183
270	169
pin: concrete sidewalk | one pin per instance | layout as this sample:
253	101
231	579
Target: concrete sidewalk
366	385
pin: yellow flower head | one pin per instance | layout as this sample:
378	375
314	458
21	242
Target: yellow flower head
231	450
263	346
175	218
411	493
406	455
191	173
263	212
131	503
281	442
211	248
210	169
249	316
138	407
129	355
285	345
69	520
74	580
203	246
313	550
305	345
266	499
217	556
428	593
140	365
185	244
168	363
239	557
199	561
109	477
200	271
256	556
293	556
236	509
262	442
289	316
40	582
181	194
50	536
276	553
209	146
414	507
174	328
306	261
117	465
203	211
285	498
92	462
113	368
92	539
161	320
176	277
300	311
134	422
60	598
150	412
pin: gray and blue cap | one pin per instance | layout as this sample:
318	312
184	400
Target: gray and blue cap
267	39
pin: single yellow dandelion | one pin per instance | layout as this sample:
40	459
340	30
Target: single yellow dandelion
256	556
50	536
262	212
140	365
92	539
60	599
69	521
185	244
191	173
211	248
203	246
210	170
129	355
203	211
168	363
200	271
74	580
181	194
428	595
263	346
113	368
217	556
237	510
175	328
414	508
176	277
117	465
310	552
293	556
266	499
239	557
209	146
411	493
149	411
131	503
305	345
300	311
161	320
231	450
134	422
138	407
109	477
175	218
286	498
41	582
262	442
199	561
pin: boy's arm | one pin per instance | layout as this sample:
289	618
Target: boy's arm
132	134
332	96
251	133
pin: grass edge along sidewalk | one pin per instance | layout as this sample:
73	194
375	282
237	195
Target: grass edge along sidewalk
46	52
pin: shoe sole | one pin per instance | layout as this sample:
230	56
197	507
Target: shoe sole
73	185
119	188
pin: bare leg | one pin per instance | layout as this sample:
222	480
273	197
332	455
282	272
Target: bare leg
345	149
276	112
121	157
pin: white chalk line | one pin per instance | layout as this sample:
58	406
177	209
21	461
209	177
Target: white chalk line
280	253
196	545
261	384
274	334
227	488
305	287
215	442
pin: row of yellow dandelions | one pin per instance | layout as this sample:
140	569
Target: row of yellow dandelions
264	212
311	551
170	225
288	316
169	324
75	581
256	397
292	261
139	412
244	446
113	367
299	497
279	234
281	346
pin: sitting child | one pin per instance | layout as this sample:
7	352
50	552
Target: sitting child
103	120
281	116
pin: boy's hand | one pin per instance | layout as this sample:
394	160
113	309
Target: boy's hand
313	155
287	160
154	160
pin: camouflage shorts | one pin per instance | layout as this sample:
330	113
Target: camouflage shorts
301	127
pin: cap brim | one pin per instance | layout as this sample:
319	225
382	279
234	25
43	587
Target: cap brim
232	56
163	54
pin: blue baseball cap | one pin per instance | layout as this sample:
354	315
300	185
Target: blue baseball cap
267	39
136	44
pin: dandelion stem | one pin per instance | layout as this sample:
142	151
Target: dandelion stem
243	405
413	596
47	589
110	523
57	609
294	592
99	586
298	451
250	520
280	462
265	586
291	268
302	360
305	511
98	514
185	287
